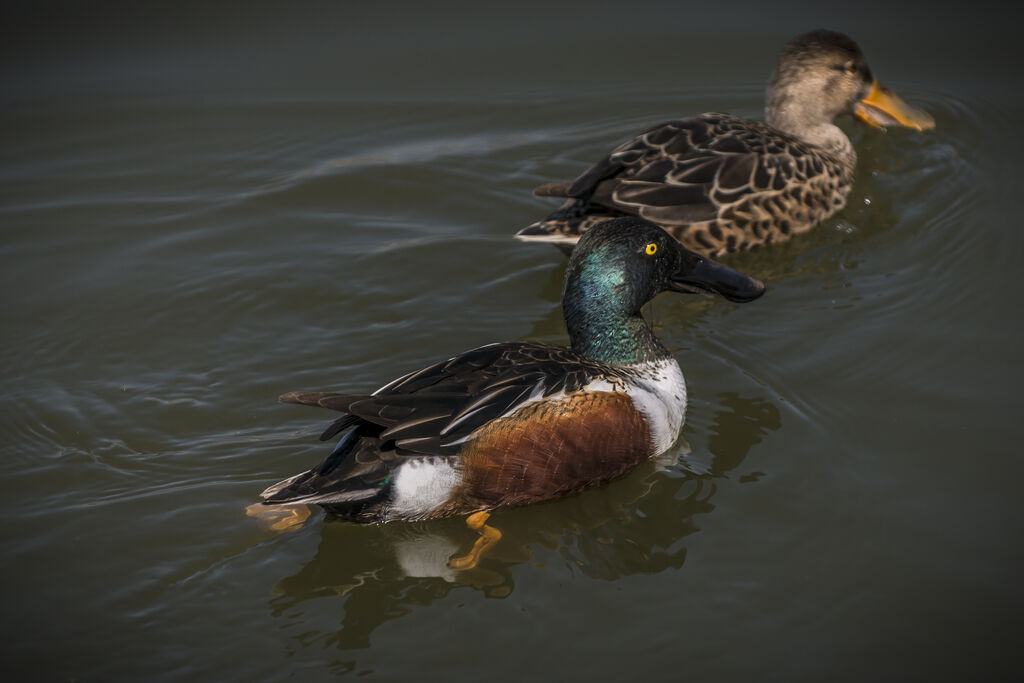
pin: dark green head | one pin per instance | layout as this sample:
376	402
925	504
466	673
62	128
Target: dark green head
619	265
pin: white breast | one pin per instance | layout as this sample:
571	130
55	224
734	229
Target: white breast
659	392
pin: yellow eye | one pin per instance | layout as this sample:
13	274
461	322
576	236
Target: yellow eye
651	249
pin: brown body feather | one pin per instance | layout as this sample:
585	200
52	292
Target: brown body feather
716	182
551	448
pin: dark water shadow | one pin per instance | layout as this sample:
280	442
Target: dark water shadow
635	525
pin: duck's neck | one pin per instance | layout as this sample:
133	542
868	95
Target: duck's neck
625	341
602	328
795	113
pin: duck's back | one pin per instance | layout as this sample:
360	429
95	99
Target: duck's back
718	183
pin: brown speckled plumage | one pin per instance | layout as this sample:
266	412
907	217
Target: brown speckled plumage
717	183
720	183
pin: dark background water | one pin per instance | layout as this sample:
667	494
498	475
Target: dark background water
204	206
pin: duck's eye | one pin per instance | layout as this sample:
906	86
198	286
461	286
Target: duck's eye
651	249
852	69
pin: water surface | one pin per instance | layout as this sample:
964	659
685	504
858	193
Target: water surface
203	208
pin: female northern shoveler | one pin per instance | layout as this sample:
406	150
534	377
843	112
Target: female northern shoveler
519	422
719	183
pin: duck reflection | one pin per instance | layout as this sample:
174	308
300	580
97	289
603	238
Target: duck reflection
635	525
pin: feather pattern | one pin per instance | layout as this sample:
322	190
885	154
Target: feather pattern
717	183
430	411
422	419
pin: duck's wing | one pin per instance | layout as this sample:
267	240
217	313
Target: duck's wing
434	410
691	170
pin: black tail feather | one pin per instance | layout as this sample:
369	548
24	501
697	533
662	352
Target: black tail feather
339	425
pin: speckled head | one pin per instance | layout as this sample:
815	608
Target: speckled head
823	45
619	265
823	74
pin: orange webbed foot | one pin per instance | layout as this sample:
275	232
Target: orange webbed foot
280	517
488	537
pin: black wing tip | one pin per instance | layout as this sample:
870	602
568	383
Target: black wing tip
339	425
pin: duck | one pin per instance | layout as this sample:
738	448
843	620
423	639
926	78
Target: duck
720	183
516	423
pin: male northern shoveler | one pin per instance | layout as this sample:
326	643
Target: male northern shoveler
519	422
719	183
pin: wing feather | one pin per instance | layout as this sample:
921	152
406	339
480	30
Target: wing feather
693	170
429	412
432	410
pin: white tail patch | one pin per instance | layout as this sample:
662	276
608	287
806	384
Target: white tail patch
422	485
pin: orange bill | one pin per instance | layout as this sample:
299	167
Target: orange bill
883	107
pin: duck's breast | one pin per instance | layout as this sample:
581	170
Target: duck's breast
658	391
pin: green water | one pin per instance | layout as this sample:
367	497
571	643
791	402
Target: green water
204	207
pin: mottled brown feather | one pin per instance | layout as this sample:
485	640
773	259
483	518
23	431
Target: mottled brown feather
717	183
